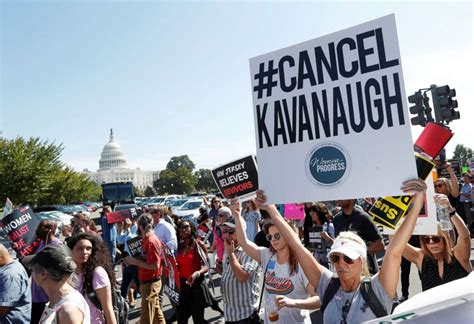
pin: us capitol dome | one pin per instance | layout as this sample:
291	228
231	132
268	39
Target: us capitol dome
113	168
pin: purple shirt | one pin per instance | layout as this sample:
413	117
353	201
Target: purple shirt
37	293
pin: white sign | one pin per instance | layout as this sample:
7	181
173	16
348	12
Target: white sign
331	118
426	223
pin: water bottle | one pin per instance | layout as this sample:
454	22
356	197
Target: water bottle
443	218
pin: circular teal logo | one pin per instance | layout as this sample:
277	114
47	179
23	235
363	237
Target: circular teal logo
328	164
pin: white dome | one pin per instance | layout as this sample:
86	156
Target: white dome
112	155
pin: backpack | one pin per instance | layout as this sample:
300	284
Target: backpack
366	290
119	304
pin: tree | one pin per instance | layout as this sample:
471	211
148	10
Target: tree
177	178
205	181
180	161
149	192
32	173
138	192
462	153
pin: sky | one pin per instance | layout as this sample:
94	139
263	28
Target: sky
172	77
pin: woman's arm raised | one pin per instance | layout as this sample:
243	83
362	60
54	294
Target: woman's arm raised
311	268
390	271
249	247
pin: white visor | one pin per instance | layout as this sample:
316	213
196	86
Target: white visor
348	247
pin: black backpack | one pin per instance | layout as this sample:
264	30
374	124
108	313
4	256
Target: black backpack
120	304
366	290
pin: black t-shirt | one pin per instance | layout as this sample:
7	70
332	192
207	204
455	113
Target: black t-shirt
358	222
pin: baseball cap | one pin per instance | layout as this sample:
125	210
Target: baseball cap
52	257
348	247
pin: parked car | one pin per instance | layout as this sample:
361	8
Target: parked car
124	206
175	204
59	217
190	208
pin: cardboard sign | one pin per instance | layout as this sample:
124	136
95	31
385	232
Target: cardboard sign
121	215
170	275
237	179
443	172
330	115
294	211
135	246
426	221
20	226
388	211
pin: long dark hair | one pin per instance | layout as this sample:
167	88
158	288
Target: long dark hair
193	233
100	256
292	262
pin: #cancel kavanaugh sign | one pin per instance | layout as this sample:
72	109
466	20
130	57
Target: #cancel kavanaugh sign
331	118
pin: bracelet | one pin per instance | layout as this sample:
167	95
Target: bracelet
451	214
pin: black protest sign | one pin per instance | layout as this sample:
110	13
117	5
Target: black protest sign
20	226
237	178
315	240
455	166
135	246
121	215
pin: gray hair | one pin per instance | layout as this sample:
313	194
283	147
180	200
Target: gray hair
55	274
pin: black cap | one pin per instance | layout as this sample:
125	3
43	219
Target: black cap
57	257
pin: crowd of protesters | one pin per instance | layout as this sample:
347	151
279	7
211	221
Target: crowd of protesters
73	279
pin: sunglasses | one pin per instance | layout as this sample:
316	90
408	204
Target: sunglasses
334	258
184	226
439	185
428	239
276	236
228	231
216	201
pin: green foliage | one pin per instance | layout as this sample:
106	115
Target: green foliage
149	192
138	192
177	178
462	153
177	162
205	181
32	173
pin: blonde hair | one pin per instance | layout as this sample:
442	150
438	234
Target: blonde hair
356	238
447	183
447	253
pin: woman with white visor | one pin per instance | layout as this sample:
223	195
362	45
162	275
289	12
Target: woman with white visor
348	256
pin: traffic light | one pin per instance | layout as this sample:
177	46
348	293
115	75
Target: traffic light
444	104
417	109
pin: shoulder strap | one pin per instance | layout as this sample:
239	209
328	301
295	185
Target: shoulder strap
263	286
329	293
371	298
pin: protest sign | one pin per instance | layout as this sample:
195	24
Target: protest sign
294	211
20	226
331	118
170	275
315	239
237	179
121	215
7	209
444	173
135	246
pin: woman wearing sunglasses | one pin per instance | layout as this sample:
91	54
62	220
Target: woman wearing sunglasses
348	256
448	187
287	289
437	261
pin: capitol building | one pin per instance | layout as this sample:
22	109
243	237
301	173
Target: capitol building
113	168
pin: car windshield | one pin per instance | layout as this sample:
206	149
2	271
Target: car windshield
179	202
122	207
191	205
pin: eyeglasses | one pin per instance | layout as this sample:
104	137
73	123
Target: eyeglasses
276	236
428	239
334	258
228	231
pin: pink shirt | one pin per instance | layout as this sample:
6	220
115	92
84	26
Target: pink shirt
100	279
219	242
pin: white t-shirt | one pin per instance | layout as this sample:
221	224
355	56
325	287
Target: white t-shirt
49	315
279	282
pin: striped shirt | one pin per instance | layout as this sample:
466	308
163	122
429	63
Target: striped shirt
240	299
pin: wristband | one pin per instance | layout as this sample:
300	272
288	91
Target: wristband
451	214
